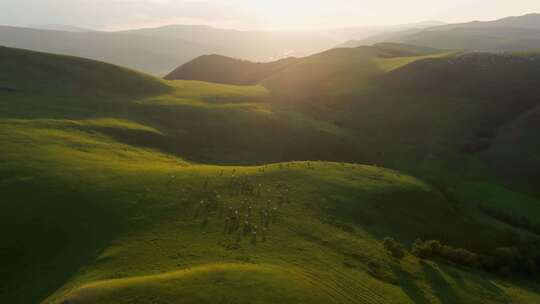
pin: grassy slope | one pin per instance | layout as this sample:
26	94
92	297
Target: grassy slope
221	69
340	72
57	74
103	219
202	122
519	133
116	223
448	117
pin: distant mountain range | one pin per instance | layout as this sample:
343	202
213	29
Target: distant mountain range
512	34
60	27
151	54
363	32
159	50
248	45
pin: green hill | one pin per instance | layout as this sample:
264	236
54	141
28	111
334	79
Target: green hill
149	234
449	117
341	72
118	187
227	70
221	69
420	111
70	75
332	63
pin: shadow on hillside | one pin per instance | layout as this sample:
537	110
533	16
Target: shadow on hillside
406	282
466	279
441	287
48	234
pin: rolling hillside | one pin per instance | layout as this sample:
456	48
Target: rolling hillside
336	73
120	187
332	63
390	94
221	69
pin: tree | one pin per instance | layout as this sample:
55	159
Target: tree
426	249
395	248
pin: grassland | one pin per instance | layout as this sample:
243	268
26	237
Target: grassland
102	191
112	223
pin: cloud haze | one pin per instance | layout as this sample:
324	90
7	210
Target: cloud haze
281	14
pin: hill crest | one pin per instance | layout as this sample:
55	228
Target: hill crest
227	70
511	34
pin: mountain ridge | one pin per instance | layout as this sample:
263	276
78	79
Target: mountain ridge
159	50
511	34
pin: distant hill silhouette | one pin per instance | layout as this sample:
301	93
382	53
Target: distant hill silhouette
160	50
528	21
145	53
510	34
61	27
254	45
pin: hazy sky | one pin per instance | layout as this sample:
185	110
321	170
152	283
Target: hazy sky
269	14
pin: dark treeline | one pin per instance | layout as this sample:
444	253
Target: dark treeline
521	258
